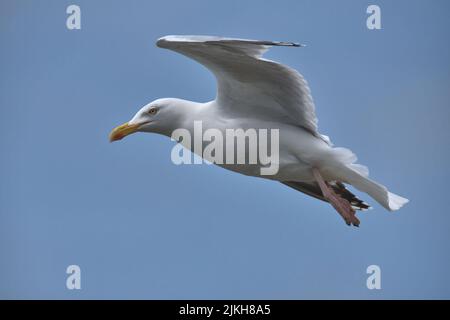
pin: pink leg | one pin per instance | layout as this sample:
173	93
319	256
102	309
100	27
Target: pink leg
342	206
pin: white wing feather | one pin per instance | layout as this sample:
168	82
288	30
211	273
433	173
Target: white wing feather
248	85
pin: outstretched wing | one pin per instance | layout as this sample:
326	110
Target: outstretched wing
248	85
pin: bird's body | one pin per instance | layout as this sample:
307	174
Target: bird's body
298	149
258	94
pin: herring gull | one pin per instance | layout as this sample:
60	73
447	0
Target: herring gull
253	92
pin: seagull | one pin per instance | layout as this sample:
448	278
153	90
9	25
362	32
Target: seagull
254	92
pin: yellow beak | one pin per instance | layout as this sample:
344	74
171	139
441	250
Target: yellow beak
122	131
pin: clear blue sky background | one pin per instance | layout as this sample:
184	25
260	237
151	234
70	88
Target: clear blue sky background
141	227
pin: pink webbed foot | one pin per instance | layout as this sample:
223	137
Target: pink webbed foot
341	205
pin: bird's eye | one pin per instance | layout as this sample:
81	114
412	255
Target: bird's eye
152	111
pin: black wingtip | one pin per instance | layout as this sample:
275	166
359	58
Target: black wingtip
291	44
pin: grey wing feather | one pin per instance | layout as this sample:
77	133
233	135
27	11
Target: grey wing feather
313	190
259	87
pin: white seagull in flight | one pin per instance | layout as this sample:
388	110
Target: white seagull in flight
253	92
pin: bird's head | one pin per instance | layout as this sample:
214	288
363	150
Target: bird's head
159	116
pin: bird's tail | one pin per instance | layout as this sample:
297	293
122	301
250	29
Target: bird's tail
357	175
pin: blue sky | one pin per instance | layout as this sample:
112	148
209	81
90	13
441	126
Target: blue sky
141	227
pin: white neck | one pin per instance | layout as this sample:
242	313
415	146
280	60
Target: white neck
182	115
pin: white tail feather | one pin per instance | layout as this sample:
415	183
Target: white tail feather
377	191
357	175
